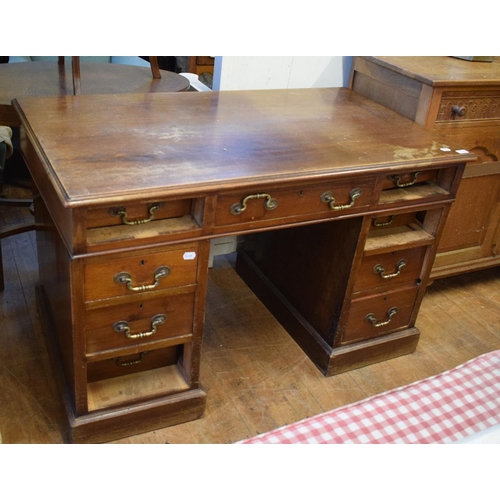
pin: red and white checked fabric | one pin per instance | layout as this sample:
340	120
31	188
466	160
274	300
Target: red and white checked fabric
440	409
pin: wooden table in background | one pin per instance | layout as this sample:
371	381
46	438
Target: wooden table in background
47	78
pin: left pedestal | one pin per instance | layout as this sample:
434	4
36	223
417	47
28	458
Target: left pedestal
124	331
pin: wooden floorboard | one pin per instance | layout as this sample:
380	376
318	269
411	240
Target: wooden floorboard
255	376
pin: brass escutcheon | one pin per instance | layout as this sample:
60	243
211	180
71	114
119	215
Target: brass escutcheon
124	327
122	212
126	278
269	204
328	197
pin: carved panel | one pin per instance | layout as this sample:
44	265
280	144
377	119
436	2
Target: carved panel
469	108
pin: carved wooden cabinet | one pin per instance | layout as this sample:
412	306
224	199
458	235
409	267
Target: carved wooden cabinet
460	100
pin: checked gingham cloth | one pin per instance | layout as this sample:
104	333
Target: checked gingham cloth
440	409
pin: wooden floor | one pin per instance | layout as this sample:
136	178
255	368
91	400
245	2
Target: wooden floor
255	376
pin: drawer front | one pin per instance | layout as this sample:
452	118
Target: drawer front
137	223
409	179
127	325
137	213
417	186
469	106
393	220
327	198
378	315
133	363
106	278
391	268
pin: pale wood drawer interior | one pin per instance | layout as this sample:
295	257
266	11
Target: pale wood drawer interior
141	376
139	221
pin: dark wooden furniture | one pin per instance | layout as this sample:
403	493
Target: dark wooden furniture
5	232
130	190
201	64
460	100
76	73
46	78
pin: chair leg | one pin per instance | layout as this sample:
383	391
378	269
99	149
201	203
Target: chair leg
75	66
5	233
155	69
2	283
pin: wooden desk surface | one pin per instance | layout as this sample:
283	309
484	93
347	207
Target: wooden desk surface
441	70
109	148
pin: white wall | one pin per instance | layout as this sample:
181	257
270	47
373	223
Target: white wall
280	72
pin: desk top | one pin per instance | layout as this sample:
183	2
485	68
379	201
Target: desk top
99	149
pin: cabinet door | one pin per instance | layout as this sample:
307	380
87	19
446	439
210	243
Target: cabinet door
469	238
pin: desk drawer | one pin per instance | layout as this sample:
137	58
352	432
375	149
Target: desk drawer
410	179
393	220
137	213
334	198
460	106
141	361
138	222
377	315
418	186
120	276
142	322
391	268
142	376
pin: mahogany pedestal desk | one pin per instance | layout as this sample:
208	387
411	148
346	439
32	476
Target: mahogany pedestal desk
339	235
460	100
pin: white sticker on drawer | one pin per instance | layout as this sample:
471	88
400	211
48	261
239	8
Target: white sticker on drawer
189	255
461	151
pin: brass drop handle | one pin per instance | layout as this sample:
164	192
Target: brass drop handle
373	320
330	199
122	212
124	327
400	184
126	278
379	269
133	362
383	224
269	204
458	110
